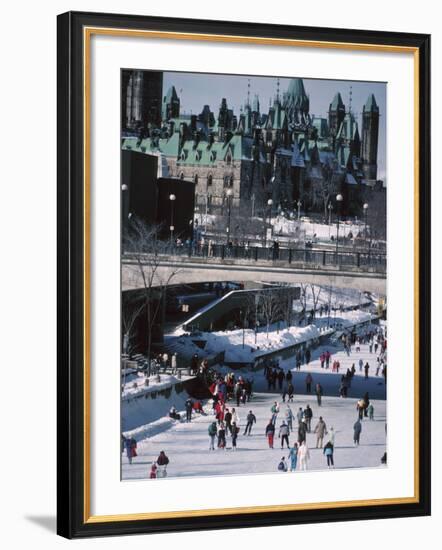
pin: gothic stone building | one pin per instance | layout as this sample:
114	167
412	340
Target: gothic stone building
284	154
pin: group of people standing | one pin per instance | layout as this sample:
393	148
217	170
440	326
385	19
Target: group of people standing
299	452
228	423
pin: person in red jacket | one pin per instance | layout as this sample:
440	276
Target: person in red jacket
162	462
270	433
153	471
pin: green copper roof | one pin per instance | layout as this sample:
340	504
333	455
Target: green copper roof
348	128
371	105
337	103
321	125
295	97
296	88
277	117
202	153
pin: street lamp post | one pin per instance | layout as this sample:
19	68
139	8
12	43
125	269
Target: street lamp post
269	208
124	205
172	199
365	207
339	199
330	208
256	316
206	213
229	194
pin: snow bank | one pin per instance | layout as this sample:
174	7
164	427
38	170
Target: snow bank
231	342
135	385
143	415
323	232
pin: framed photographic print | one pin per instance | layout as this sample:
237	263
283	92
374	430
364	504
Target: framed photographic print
243	252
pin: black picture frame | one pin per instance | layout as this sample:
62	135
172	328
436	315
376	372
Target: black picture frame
71	445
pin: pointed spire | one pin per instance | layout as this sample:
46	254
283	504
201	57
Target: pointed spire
371	105
336	103
296	96
350	98
171	93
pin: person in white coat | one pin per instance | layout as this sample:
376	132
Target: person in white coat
332	436
235	418
173	362
303	456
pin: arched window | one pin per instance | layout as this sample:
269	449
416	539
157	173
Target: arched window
182	176
195	179
209	180
228	181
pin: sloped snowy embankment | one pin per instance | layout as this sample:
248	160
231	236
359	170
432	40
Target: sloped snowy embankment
144	416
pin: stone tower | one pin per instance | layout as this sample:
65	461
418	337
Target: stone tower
336	114
171	105
370	134
141	99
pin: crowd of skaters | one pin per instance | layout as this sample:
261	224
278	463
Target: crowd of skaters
291	433
227	423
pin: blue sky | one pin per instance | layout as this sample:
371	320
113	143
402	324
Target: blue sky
199	89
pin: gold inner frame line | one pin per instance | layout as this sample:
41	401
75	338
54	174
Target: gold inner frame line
134	33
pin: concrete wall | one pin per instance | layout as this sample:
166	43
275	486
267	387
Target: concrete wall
199	271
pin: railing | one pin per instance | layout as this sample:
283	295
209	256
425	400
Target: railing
363	261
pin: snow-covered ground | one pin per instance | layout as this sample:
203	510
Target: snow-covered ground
324	295
187	445
135	384
323	232
305	228
231	342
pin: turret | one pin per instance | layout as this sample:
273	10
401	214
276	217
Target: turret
370	135
297	103
171	105
336	114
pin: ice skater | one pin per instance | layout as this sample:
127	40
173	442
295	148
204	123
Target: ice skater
284	433
293	456
303	456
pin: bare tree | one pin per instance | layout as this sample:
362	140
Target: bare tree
270	306
326	186
247	310
130	311
315	293
303	297
145	251
242	226
309	292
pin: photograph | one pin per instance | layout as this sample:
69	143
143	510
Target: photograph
253	275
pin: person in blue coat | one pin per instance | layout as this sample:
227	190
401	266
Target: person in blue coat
328	452
293	456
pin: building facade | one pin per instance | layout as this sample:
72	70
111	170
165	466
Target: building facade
284	154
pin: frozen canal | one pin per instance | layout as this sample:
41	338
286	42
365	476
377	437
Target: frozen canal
187	445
